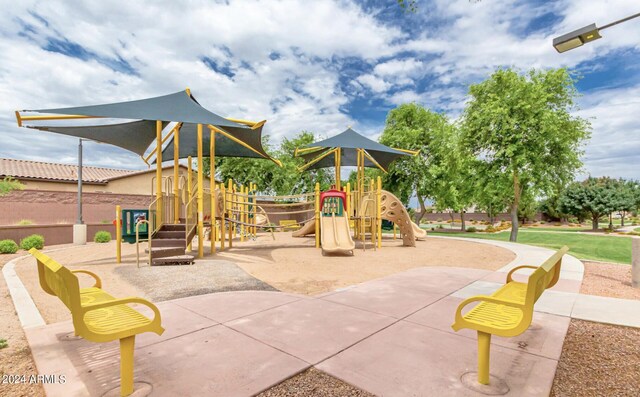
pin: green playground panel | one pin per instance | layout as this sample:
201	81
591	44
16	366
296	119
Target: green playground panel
129	219
332	206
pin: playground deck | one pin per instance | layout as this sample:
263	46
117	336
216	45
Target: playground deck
389	336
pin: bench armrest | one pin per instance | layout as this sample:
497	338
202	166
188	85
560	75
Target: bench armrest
124	301
98	283
515	269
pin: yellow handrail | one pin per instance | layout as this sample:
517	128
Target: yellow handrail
138	242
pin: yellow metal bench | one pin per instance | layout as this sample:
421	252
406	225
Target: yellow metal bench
509	310
98	316
289	224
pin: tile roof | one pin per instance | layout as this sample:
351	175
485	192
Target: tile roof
27	169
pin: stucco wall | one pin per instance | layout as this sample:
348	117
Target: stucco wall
47	207
53	234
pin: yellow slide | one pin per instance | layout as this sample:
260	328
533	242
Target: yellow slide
308	228
336	235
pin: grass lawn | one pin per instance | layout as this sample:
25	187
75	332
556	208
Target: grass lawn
555	229
583	246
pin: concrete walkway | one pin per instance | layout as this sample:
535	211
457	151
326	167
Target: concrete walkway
390	336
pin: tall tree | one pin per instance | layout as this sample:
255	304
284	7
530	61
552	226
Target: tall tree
410	126
595	197
268	176
521	127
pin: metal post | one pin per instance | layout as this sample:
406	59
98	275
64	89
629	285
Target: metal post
159	206
212	188
200	196
80	222
635	262
317	214
176	175
118	234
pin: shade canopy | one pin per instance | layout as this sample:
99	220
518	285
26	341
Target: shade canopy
134	136
230	142
233	139
349	142
179	107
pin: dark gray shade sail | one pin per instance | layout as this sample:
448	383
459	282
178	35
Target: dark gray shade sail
225	147
349	142
178	107
135	136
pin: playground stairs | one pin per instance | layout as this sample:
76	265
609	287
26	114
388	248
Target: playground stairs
169	245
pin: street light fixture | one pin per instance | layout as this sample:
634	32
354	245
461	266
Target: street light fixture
584	35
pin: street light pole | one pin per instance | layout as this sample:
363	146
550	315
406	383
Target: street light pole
79	229
79	221
584	35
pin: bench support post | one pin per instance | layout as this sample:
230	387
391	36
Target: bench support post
126	365
484	346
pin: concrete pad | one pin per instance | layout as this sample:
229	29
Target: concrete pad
443	280
312	329
607	310
176	321
477	288
386	298
563	285
213	361
544	337
411	360
227	306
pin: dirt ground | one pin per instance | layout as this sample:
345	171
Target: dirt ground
314	383
598	360
608	279
15	359
293	265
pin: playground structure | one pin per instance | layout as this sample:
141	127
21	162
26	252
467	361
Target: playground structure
184	210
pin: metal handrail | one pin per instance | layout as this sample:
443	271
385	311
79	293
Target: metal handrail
148	240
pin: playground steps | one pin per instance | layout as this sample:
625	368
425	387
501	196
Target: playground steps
169	245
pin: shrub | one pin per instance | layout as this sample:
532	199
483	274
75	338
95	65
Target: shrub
34	241
23	222
490	229
472	229
3	343
8	247
102	237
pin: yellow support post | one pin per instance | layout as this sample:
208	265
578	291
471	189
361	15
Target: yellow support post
118	234
200	196
317	214
212	188
223	230
159	205
189	192
348	203
176	176
379	211
337	164
241	212
484	344
127	345
230	213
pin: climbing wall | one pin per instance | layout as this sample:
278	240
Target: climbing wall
393	210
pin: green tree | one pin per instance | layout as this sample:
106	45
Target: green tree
521	127
410	126
595	197
269	177
8	184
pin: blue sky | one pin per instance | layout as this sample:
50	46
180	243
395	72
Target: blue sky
319	66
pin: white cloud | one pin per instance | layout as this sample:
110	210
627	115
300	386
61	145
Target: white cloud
374	83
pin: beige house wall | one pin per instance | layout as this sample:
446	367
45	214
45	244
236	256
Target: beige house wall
139	184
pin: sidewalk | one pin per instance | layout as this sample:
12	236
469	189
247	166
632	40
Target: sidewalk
390	336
